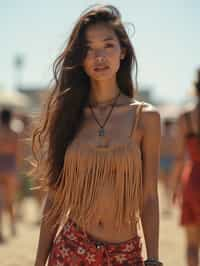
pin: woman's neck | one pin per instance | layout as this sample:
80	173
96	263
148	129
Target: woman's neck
103	92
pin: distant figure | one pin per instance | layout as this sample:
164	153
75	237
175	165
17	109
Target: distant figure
167	158
188	187
21	126
8	169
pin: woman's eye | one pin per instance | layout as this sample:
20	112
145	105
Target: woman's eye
109	45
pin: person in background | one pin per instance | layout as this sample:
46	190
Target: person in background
187	177
97	153
21	125
167	158
9	162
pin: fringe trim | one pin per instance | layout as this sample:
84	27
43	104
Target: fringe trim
84	175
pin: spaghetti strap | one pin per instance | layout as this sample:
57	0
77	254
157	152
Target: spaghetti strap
137	117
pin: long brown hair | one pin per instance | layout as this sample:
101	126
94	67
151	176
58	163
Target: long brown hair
64	111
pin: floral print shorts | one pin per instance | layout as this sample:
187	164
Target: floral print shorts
73	247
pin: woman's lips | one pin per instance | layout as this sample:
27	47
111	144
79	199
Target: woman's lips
100	68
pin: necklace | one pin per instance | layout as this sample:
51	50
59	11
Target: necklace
101	131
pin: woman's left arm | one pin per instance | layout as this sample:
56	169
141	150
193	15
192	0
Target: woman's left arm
150	160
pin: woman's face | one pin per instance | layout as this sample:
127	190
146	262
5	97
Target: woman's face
104	52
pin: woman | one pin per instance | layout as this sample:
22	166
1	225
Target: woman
96	136
188	187
9	166
167	153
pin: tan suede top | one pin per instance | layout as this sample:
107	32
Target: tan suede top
102	169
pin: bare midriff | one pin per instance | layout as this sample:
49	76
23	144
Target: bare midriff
105	231
102	226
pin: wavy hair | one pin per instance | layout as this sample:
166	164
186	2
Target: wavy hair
63	115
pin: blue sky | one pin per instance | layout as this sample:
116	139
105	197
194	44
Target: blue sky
167	40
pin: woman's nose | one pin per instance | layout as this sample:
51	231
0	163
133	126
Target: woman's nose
100	54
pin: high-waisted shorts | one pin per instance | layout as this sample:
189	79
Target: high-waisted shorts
73	247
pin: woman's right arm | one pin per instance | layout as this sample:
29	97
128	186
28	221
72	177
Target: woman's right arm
47	234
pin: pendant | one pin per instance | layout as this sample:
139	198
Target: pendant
101	132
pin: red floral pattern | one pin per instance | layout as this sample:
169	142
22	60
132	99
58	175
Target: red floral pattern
73	247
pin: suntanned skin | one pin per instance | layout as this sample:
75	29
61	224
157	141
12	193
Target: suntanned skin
147	137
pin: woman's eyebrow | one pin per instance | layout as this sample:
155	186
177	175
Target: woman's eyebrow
110	38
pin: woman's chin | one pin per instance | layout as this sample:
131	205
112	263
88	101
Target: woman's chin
103	76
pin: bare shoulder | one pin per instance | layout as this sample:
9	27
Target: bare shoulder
150	116
149	121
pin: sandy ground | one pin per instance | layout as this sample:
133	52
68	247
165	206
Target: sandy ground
20	251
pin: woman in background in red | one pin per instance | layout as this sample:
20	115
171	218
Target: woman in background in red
98	152
187	189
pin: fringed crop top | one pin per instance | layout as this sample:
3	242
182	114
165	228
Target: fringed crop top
91	172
